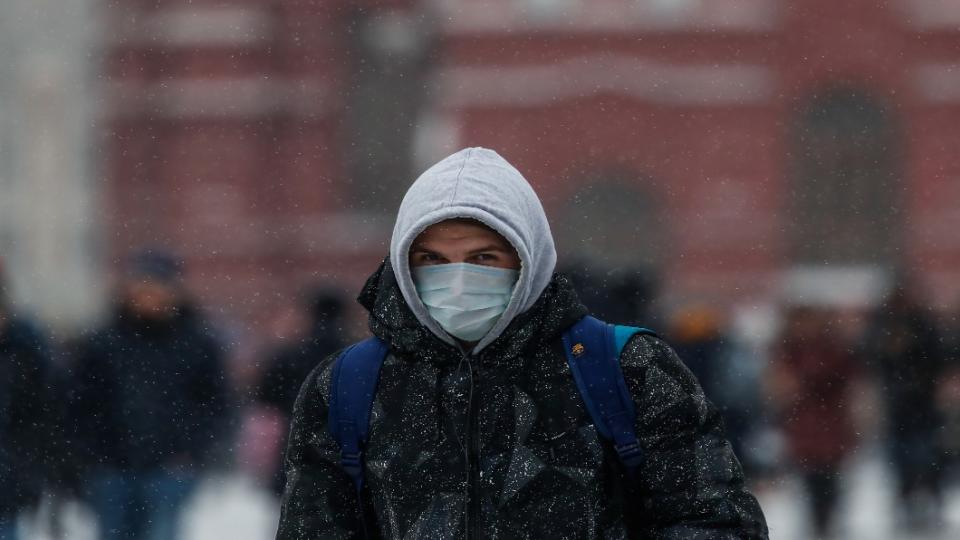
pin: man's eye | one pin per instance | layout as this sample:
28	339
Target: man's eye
485	257
429	258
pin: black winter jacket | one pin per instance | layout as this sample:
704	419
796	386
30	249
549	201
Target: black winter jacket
500	445
148	395
27	417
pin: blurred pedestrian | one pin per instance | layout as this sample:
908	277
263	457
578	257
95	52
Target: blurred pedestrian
502	409
812	383
699	339
26	419
696	336
905	347
620	294
948	395
291	364
148	404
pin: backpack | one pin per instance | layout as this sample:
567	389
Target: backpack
592	348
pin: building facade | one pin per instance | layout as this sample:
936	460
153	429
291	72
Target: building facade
717	143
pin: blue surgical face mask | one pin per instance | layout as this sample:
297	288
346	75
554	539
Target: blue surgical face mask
465	299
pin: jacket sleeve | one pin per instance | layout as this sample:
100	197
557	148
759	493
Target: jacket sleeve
691	485
205	426
319	499
29	418
91	402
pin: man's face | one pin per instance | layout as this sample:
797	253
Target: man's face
463	241
151	299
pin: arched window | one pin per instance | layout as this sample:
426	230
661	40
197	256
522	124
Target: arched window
844	193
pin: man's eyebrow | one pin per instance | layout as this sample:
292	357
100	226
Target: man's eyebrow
420	248
491	247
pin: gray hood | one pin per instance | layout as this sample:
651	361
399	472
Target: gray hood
476	183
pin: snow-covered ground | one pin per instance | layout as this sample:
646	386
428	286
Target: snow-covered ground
867	509
234	507
231	506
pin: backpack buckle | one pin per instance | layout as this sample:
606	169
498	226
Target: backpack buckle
352	462
630	454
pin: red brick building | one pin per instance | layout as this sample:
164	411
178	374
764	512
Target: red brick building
719	142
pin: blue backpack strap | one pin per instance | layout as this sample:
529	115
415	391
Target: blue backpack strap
352	388
593	351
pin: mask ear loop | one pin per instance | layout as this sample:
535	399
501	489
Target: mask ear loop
513	298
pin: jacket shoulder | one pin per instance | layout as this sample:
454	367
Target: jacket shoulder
316	386
647	358
643	349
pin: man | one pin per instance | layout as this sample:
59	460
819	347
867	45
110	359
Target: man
478	429
26	407
905	349
813	379
149	403
290	365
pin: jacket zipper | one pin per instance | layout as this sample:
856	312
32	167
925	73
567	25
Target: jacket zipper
472	522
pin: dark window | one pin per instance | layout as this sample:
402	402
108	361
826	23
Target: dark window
844	192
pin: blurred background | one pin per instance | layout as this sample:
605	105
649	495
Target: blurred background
773	185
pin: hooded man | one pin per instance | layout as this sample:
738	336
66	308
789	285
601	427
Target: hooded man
478	429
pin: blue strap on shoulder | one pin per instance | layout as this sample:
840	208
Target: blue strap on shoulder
593	350
352	388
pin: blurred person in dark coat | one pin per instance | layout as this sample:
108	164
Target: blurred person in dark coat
698	339
26	416
291	364
948	394
621	294
812	381
149	403
906	350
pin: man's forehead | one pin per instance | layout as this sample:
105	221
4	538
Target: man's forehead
461	230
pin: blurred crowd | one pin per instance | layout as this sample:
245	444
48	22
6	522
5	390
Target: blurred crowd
130	416
832	380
